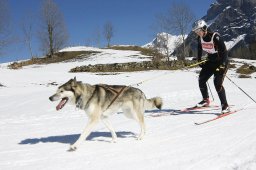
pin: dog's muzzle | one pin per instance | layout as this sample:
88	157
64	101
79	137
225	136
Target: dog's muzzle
62	102
51	98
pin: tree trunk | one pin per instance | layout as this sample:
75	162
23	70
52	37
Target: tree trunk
50	31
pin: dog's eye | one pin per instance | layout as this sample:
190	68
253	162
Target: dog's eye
61	91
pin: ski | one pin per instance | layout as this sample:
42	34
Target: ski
188	109
218	117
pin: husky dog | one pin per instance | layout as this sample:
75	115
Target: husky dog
101	100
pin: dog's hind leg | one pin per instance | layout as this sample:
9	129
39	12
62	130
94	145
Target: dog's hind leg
84	134
137	113
140	115
111	129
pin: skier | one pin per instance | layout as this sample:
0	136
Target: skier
216	63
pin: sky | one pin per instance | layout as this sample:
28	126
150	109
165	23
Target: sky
133	21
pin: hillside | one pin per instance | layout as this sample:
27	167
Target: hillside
36	136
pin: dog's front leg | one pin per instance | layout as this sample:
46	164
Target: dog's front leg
84	134
110	128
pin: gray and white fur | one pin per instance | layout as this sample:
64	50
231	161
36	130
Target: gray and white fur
101	101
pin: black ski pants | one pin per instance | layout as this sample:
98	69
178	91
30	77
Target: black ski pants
209	69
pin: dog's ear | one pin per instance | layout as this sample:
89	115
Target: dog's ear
74	82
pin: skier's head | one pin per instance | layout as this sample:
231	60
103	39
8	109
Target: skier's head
199	25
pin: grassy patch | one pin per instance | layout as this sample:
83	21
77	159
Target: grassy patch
58	57
134	66
246	69
232	66
244	76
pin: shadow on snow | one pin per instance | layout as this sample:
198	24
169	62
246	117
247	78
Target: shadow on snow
70	139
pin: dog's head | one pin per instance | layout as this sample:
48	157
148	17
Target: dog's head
65	93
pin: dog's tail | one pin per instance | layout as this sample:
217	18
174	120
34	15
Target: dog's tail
155	102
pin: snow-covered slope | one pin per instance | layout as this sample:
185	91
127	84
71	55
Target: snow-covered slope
33	135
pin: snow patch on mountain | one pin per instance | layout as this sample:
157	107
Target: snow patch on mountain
233	42
165	42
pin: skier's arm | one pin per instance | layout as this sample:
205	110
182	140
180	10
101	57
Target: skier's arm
222	50
199	51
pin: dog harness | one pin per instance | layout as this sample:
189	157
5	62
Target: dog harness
116	91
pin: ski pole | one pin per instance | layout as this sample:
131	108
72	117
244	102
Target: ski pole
241	89
196	64
192	65
210	90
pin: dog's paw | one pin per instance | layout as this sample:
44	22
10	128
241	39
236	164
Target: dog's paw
72	148
113	141
139	137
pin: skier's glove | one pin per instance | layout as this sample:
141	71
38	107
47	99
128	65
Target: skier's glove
221	68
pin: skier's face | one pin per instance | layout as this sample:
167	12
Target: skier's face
199	32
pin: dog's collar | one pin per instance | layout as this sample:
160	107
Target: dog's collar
79	102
